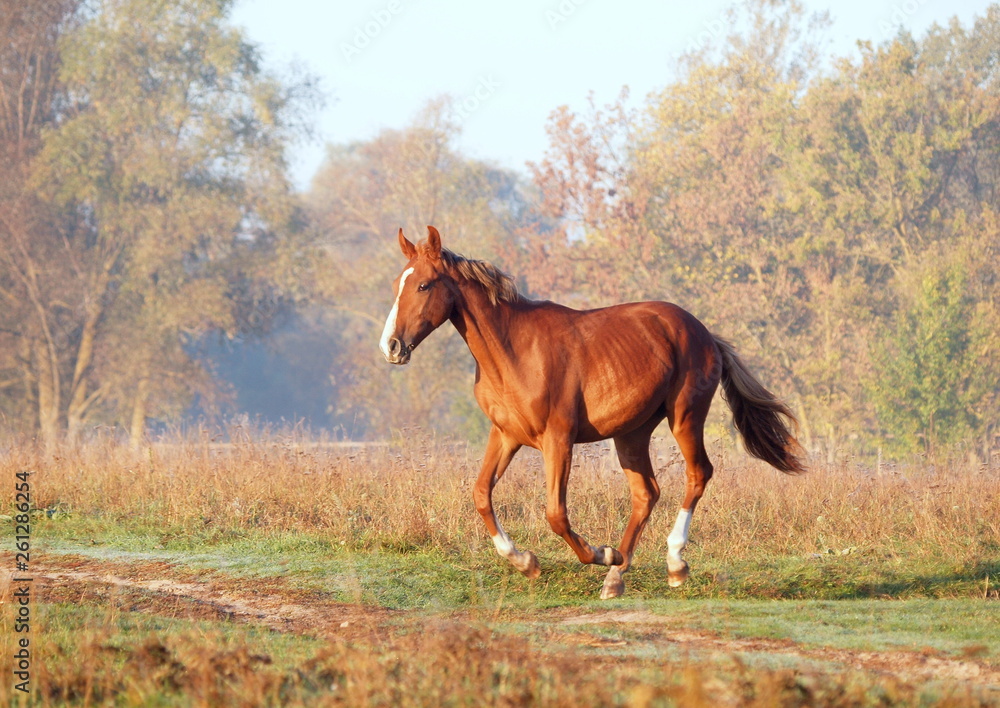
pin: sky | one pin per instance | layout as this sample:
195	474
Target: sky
508	65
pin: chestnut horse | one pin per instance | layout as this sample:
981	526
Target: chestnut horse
549	377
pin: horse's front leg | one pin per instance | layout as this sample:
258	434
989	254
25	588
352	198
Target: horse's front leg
558	454
499	452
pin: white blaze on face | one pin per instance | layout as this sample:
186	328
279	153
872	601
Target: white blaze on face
390	323
678	539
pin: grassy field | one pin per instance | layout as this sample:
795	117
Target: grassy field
275	572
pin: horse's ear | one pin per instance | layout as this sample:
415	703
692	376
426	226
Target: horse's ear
408	249
433	243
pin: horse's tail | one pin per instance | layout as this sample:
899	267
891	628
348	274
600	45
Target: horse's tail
757	414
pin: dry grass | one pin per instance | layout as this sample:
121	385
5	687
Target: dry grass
848	531
899	519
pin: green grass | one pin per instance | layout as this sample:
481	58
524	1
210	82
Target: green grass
406	576
816	601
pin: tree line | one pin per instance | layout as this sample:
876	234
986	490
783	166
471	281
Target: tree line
835	217
839	221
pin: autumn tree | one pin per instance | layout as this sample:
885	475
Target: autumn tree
789	207
690	190
166	168
365	192
36	283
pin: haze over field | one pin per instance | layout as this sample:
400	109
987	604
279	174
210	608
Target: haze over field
189	228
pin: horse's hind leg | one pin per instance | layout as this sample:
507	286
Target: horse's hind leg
633	453
688	424
499	453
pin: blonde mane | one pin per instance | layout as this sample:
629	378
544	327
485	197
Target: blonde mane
499	286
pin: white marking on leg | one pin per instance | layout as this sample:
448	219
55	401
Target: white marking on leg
390	322
677	540
504	545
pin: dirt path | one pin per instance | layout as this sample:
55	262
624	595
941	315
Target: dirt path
166	589
161	588
909	665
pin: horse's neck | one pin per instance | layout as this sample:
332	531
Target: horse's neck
485	327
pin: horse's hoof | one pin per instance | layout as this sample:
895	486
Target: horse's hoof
676	578
531	568
613	587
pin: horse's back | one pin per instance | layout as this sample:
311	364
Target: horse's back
648	331
621	365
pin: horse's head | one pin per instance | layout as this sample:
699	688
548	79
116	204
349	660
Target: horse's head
424	298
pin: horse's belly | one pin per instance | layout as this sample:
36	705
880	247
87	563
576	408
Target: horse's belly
610	416
622	400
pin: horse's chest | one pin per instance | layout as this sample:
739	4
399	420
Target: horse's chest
511	411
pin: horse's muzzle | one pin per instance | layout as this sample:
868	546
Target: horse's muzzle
398	353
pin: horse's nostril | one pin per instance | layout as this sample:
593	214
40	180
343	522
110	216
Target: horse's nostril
395	346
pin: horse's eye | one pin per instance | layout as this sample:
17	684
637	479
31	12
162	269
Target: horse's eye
423	286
